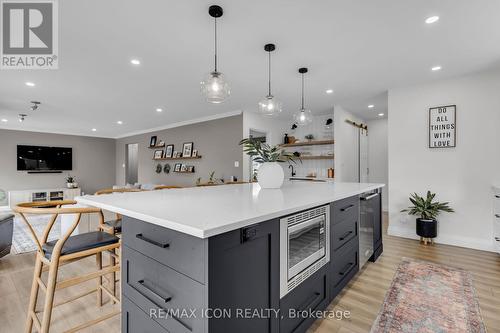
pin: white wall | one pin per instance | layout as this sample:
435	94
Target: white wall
346	146
378	156
461	175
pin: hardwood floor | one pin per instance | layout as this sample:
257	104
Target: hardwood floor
362	297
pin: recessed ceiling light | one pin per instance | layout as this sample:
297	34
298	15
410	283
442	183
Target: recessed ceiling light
30	84
94	129
135	62
436	68
159	109
119	122
371	106
4	120
380	114
329	91
432	19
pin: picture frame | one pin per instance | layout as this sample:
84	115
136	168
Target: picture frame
443	126
195	153
177	167
158	154
169	150
152	141
160	143
187	149
184	168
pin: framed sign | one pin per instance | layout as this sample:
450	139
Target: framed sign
443	126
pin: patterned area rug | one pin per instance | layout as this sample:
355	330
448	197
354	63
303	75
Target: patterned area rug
426	297
22	240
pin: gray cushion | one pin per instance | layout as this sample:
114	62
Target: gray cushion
82	242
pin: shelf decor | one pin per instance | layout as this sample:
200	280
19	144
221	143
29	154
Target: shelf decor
309	143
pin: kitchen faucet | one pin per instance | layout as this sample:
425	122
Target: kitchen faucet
293	171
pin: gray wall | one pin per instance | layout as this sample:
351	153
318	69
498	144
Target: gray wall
93	161
216	140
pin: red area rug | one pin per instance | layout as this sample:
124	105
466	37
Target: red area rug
425	297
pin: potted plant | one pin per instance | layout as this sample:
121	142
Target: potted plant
71	182
427	210
309	137
270	173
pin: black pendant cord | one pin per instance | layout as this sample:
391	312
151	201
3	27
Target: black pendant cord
215	39
269	74
302	110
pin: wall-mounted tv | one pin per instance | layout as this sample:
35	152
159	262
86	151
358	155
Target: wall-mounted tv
42	158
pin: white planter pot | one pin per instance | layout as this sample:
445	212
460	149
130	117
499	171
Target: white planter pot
270	175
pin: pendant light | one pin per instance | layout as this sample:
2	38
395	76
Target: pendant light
302	117
214	86
269	105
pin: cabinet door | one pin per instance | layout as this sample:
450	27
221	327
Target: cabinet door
244	274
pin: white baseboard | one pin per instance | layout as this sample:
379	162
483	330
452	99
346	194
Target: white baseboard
471	243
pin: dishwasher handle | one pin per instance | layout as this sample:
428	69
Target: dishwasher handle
369	197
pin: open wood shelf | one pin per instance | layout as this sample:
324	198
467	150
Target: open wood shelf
329	157
156	147
309	143
184	171
176	158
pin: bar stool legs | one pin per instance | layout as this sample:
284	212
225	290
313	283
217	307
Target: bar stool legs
37	274
49	295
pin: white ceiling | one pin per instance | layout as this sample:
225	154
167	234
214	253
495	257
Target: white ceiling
358	48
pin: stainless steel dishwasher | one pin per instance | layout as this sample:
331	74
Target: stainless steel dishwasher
369	204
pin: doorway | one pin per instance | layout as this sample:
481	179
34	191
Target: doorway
131	163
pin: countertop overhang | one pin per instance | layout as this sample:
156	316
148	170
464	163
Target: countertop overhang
208	211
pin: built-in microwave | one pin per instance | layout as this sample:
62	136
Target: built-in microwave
304	246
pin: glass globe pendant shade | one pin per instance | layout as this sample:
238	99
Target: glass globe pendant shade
303	117
215	88
270	106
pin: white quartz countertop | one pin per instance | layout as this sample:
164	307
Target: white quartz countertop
208	211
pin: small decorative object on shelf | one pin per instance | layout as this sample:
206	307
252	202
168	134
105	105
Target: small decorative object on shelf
183	168
211	178
169	150
152	141
158	154
160	143
270	173
195	153
158	168
331	173
71	182
190	168
428	210
198	181
174	154
309	137
187	149
166	168
286	139
177	167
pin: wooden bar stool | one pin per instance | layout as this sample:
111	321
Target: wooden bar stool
67	249
113	226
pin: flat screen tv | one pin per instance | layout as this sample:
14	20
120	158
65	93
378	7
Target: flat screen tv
41	158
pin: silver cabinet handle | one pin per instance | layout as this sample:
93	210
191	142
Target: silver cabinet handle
346	208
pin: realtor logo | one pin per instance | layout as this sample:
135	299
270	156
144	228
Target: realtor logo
29	36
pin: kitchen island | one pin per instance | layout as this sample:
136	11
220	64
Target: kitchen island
239	258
